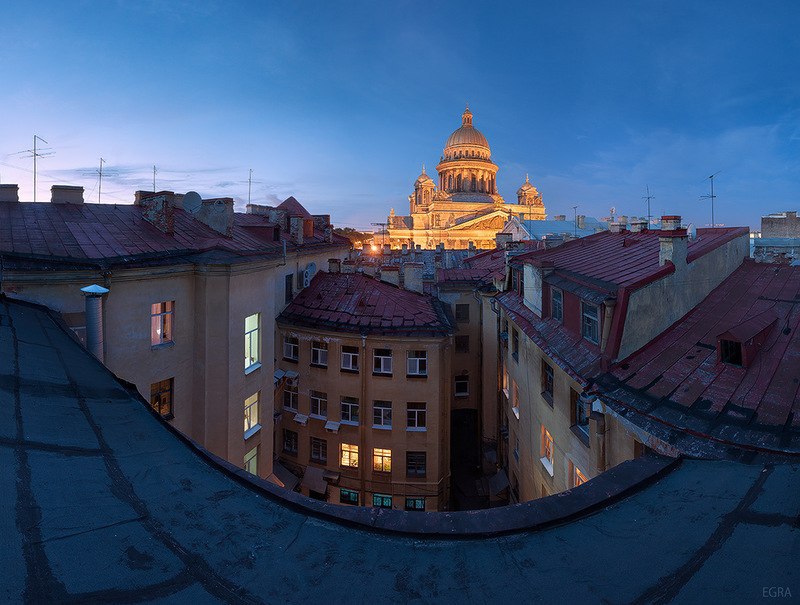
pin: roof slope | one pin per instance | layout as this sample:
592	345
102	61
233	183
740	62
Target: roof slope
354	302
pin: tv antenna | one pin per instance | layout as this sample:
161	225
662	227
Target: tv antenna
383	231
249	185
575	226
648	197
154	178
711	197
36	153
100	172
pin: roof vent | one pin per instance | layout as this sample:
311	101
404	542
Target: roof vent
740	344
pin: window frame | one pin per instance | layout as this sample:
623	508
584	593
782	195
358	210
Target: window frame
162	388
381	501
413	503
557	293
318	400
548	385
416	464
348	455
288	288
319	450
318	352
349	404
464	379
290	437
251	456
251	427
461	312
351	354
250	346
547	450
381	460
379	362
382	414
579	419
346	496
420	363
291	348
416	413
162	318
587	319
291	395
515	344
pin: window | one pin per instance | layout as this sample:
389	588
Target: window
557	304
161	397
578	414
290	396
521	290
730	352
381	501
547	382
251	424
251	461
382	414
291	348
576	476
505	379
348	496
515	344
349	410
462	312
289	288
252	344
515	398
381	460
516	448
319	450
415	503
319	404
514	280
350	359
462	344
382	361
416	416
417	363
319	353
590	326
547	451
416	463
349	455
289	442
462	386
161	315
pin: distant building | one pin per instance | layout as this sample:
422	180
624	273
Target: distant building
780	238
465	206
188	291
556	229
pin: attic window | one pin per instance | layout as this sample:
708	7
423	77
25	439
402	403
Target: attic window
730	352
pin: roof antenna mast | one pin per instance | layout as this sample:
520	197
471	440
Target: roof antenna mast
711	197
249	185
154	178
100	182
648	197
575	212
36	152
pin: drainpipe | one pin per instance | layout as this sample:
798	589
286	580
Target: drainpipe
609	304
362	419
94	319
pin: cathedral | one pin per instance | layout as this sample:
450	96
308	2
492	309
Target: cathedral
465	205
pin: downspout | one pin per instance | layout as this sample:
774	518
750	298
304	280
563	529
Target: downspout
94	319
362	418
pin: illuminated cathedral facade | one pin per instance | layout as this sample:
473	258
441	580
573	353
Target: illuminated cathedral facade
464	206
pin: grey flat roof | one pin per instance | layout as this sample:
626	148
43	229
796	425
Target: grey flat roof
101	501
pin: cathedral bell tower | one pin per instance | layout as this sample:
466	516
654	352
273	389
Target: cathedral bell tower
423	192
527	195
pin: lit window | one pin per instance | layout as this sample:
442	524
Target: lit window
515	344
349	410
252	344
381	460
251	424
578	478
382	414
319	353
462	386
417	416
291	348
161	397
290	396
515	398
319	450
350	359
382	361
289	441
590	326
415	503
417	363
349	455
547	451
557	304
462	343
578	413
462	312
319	404
416	464
381	501
547	382
161	316
348	496
251	461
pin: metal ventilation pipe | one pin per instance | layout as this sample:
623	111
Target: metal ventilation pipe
94	319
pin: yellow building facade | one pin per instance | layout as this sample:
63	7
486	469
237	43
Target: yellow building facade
465	205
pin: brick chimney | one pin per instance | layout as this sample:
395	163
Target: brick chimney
670	222
334	265
412	276
157	210
404	250
581	220
217	213
638	225
9	193
66	194
391	274
673	242
296	230
616	227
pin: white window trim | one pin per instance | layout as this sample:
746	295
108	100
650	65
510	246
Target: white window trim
319	353
350	357
547	464
416	361
383	363
515	411
252	368
252	431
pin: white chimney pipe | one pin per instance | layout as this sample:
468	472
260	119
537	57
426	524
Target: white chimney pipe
94	319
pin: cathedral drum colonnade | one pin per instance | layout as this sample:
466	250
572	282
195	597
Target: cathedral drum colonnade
465	206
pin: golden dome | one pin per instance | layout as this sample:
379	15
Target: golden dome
467	134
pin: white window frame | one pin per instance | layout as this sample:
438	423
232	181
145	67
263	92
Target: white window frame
457	380
251	415
162	323
382	364
348	457
588	318
251	461
416	414
348	406
291	347
319	405
319	353
381	414
252	344
292	390
417	363
349	359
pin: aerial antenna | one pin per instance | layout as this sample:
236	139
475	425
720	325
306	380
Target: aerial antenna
249	185
100	172
154	178
648	197
383	231
575	212
36	152
711	197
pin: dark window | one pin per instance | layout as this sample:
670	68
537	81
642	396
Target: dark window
462	344
416	464
161	397
580	420
514	280
319	450
350	359
416	415
547	382
557	305
415	503
382	362
521	282
462	386
381	501
291	348
590	326
462	312
348	496
289	442
730	352
515	344
289	288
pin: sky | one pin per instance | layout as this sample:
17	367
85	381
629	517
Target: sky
340	103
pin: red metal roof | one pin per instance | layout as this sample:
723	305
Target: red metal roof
678	379
353	302
294	208
485	266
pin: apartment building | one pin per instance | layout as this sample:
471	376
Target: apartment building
175	294
569	313
364	413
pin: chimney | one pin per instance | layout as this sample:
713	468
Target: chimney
349	266
471	248
334	265
560	217
581	220
502	239
329	234
638	225
387	249
259	209
296	229
321	221
157	210
9	193
391	274
94	319
418	248
623	220
616	227
66	194
404	250
673	242
216	213
412	276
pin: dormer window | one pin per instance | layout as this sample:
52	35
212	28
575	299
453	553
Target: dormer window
590	323
730	352
740	344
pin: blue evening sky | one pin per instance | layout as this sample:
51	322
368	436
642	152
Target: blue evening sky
339	103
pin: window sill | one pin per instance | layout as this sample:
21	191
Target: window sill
318	417
412	477
290	359
515	411
548	397
381	427
163	345
252	368
382	374
292	454
346	371
318	461
580	434
417	429
250	432
318	365
348	423
417	376
290	410
460	395
548	466
169	416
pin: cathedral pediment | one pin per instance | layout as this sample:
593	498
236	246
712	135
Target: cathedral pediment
494	221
